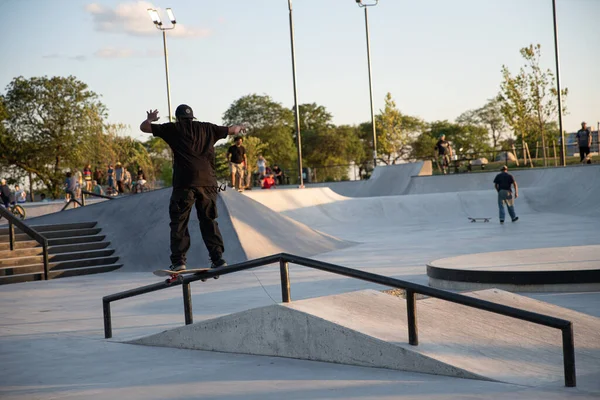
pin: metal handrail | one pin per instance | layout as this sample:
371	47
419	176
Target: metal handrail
35	235
412	289
96	195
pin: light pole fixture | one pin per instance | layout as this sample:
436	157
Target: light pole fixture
563	156
159	25
296	108
365	6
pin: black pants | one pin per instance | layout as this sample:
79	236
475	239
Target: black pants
180	207
583	152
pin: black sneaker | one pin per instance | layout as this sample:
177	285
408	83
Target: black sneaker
177	267
515	219
218	264
501	221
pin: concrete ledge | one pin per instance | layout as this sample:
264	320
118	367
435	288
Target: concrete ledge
574	268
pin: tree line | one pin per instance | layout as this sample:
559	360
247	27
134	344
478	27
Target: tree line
54	124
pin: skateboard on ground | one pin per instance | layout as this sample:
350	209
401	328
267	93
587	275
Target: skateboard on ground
479	219
178	275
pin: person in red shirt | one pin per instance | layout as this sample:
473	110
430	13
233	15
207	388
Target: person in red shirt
268	182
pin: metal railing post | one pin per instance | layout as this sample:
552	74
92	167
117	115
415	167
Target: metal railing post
187	303
411	314
569	355
107	321
285	281
45	257
82	199
11	235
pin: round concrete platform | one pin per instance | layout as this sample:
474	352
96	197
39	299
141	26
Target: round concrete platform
556	269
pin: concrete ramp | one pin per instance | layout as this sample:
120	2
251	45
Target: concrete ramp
388	180
138	228
368	328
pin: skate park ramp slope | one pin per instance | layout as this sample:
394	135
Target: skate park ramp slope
526	178
388	180
138	228
570	191
554	269
357	329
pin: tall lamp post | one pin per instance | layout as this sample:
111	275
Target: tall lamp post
365	6
296	108
563	156
159	25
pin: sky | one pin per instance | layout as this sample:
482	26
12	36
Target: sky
437	58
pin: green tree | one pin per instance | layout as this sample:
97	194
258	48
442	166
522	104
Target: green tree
470	138
48	119
489	116
529	99
395	132
270	122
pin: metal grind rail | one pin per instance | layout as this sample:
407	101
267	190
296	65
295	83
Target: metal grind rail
32	233
412	289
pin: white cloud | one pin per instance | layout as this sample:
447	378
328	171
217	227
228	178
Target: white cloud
133	19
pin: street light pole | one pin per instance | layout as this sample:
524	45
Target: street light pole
363	5
296	108
563	158
159	25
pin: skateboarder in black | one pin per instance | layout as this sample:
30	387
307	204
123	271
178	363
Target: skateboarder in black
503	183
445	152
194	180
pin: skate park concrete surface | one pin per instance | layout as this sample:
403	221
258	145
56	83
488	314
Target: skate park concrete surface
51	333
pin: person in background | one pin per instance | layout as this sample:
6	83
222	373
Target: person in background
98	175
444	153
96	188
278	174
20	194
71	187
87	177
4	193
236	156
584	140
110	176
503	184
268	182
119	177
43	197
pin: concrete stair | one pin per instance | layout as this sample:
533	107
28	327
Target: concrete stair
74	249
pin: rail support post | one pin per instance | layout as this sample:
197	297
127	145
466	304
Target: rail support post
411	313
285	281
11	235
187	303
107	321
569	356
45	258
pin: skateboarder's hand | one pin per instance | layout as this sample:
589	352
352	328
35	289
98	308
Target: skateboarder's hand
516	195
237	129
152	115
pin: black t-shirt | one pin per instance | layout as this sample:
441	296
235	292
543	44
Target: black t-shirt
504	180
442	146
276	170
237	153
192	143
